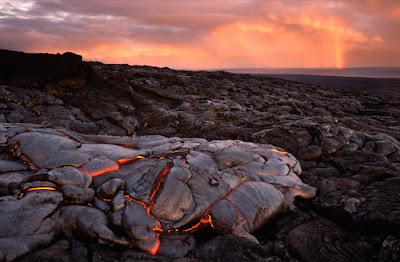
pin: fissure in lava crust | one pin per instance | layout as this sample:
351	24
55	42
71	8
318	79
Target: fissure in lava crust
158	185
152	191
37	189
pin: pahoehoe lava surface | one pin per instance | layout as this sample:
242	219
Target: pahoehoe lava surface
62	183
347	143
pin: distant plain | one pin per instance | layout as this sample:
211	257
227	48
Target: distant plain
360	79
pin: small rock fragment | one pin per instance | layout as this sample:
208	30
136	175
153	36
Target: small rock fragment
76	194
119	201
309	153
110	188
69	175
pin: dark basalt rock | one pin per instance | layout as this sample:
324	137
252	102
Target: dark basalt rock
34	208
63	251
390	250
231	248
321	240
53	73
32	228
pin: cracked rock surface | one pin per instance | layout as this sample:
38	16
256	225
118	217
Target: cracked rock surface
346	142
140	195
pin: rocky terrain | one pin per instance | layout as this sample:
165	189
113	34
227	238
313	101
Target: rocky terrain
368	84
347	143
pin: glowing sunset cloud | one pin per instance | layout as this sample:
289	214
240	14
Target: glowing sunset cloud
208	34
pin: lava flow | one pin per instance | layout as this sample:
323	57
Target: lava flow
155	249
114	168
100	172
37	189
148	207
129	160
204	221
157	229
278	151
159	181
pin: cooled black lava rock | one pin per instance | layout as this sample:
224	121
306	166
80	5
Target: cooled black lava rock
57	74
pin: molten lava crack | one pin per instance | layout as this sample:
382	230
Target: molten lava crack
39	188
129	160
160	179
204	221
279	151
100	172
223	186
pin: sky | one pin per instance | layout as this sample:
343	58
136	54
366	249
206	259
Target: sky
208	34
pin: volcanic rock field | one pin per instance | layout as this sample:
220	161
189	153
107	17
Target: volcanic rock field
136	163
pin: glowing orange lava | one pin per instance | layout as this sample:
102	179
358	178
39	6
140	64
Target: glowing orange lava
110	169
100	172
160	179
140	202
37	189
129	160
278	151
158	185
157	229
155	248
41	188
104	199
203	221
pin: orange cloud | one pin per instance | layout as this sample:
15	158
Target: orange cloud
314	42
266	45
317	43
208	34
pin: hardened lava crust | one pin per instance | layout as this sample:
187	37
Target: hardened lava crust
56	182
